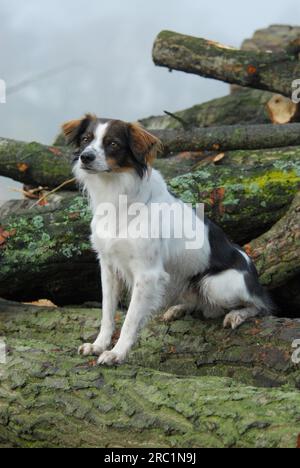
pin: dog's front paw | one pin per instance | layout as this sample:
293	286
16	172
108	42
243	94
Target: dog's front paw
110	358
89	349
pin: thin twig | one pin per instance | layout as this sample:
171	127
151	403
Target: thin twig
67	182
183	122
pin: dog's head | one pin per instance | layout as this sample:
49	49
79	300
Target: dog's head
115	146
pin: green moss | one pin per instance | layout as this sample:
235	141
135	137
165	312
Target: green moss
51	397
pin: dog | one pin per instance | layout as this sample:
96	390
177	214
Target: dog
114	160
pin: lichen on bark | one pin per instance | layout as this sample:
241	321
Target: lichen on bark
51	397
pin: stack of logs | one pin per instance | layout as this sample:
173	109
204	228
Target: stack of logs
185	382
230	153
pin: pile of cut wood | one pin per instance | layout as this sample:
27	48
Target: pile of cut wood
240	155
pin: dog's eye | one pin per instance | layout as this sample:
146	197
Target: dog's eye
114	145
86	139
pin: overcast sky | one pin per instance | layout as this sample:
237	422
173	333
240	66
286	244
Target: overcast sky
104	49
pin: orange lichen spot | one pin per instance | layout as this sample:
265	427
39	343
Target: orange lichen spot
22	167
216	199
251	69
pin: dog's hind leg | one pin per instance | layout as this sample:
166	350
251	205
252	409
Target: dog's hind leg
236	317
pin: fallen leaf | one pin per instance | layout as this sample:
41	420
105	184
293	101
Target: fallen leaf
43	202
41	303
218	157
55	151
23	167
4	235
248	249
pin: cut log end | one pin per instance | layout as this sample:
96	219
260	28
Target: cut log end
282	110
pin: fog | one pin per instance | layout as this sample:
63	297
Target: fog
103	51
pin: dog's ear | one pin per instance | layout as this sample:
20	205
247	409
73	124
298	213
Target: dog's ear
144	146
74	129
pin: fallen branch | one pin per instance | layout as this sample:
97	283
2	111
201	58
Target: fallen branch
261	70
57	189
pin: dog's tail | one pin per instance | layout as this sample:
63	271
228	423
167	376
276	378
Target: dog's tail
260	297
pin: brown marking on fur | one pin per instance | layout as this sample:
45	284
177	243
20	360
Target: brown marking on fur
113	165
143	144
70	128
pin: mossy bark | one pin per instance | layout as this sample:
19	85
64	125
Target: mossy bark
39	165
35	164
47	254
261	70
46	251
232	137
277	253
173	392
247	106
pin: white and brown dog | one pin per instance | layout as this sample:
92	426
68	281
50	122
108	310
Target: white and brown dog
115	159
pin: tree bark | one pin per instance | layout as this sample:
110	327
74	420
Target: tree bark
232	137
35	164
261	70
184	384
38	165
277	253
45	251
247	106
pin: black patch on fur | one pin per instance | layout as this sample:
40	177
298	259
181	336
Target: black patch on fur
117	148
226	255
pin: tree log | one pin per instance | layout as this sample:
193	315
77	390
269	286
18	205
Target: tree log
45	251
231	137
277	257
277	253
244	107
35	164
39	165
176	391
273	72
282	110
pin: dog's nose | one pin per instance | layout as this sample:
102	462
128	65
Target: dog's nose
88	157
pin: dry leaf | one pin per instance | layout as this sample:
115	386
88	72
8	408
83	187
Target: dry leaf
4	235
42	303
55	151
218	157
